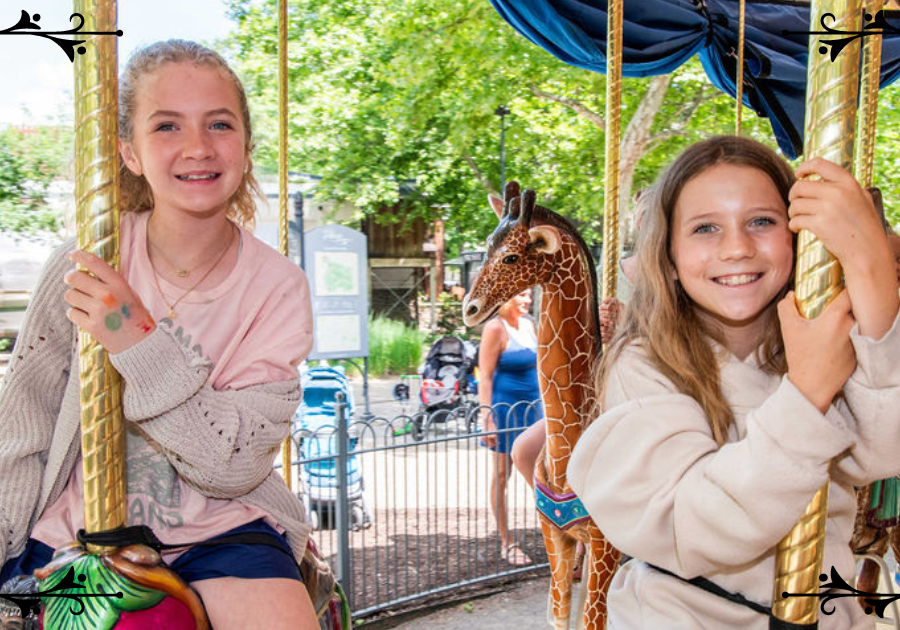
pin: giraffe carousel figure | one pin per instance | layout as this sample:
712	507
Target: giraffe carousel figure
535	246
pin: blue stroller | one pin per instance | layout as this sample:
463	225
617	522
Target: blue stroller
313	429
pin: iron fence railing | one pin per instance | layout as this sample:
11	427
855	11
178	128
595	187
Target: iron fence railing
402	505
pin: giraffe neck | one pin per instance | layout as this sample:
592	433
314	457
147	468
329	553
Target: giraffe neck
568	350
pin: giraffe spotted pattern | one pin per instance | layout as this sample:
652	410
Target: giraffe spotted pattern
534	246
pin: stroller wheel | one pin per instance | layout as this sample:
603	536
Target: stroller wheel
358	518
471	418
418	427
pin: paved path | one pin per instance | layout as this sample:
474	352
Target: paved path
517	606
521	605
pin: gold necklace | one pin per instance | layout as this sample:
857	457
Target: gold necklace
196	284
181	273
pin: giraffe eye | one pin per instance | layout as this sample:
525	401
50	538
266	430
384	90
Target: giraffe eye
509	260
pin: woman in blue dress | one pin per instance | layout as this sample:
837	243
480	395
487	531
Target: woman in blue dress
508	365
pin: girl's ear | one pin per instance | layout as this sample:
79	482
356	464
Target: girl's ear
130	158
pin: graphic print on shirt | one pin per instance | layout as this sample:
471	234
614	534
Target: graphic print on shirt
154	494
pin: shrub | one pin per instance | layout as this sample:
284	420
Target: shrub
394	348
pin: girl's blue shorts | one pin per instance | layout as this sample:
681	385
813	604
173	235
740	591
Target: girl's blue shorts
240	560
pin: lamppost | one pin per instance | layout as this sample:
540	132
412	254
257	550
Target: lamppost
502	112
298	219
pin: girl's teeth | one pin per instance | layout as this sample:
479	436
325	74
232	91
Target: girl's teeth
733	281
191	178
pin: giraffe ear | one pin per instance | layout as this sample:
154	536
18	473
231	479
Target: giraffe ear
544	239
496	204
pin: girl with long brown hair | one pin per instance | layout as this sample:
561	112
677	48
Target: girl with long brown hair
720	408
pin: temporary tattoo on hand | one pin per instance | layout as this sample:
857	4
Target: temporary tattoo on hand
125	312
109	300
113	321
146	325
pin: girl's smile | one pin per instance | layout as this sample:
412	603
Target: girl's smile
731	247
189	140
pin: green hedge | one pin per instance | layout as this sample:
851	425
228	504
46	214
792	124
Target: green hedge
394	348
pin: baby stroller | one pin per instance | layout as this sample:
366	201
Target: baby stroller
448	380
449	387
313	428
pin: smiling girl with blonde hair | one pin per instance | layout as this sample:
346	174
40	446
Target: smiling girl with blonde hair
206	325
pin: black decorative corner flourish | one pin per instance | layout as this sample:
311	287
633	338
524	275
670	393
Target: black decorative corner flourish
28	602
27	25
877	26
877	602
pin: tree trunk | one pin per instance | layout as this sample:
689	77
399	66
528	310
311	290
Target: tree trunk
634	143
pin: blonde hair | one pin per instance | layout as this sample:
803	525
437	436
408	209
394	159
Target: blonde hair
135	194
661	317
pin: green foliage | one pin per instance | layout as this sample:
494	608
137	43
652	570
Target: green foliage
391	92
449	317
29	161
887	152
27	218
394	348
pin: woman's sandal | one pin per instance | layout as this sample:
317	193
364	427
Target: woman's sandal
514	555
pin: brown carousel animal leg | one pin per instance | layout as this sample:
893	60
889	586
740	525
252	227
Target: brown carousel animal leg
867	539
561	554
601	564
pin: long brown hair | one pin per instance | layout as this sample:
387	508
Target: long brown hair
134	191
661	317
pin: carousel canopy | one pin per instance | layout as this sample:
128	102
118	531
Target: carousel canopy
660	35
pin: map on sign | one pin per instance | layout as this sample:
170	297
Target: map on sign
337	273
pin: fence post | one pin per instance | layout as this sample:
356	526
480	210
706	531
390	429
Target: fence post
342	512
434	288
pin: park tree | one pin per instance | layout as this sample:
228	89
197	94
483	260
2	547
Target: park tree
386	92
30	160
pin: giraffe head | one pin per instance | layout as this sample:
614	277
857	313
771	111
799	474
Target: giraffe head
520	254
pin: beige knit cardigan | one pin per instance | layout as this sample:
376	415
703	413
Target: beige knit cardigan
223	443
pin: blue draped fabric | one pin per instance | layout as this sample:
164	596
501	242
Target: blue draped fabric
660	35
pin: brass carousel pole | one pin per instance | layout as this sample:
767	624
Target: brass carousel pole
613	134
97	220
283	246
867	117
864	160
739	71
830	120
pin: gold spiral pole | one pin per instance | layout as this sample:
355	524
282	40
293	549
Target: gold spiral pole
867	117
613	133
863	168
830	119
739	72
283	246
97	220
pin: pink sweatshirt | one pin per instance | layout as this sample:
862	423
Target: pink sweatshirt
255	327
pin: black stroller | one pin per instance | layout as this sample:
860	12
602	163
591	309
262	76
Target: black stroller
448	377
447	387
